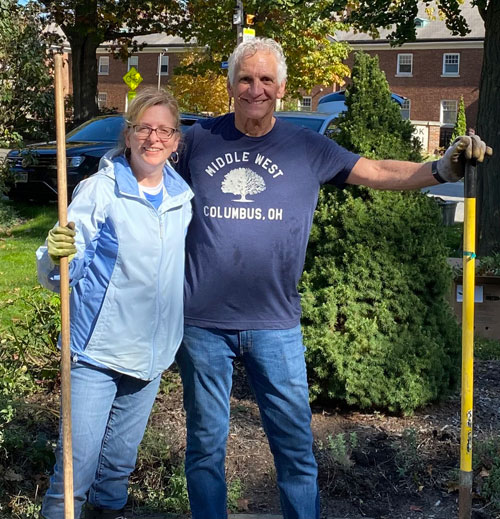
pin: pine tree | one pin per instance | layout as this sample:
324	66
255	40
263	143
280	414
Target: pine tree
372	125
378	329
461	124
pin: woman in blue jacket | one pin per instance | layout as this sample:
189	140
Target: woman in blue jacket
126	270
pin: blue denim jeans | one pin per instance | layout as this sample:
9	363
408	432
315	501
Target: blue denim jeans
109	413
275	366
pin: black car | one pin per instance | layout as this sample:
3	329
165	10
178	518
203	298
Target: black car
35	167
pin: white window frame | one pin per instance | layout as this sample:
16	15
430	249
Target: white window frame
102	99
450	56
133	61
406	109
448	106
163	61
103	69
307	105
408	59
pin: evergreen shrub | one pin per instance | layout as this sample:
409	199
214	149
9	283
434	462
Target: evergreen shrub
460	127
378	329
376	322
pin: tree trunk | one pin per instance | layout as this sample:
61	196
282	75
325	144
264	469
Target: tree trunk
84	71
488	128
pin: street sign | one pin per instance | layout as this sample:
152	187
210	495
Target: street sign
132	78
248	33
224	65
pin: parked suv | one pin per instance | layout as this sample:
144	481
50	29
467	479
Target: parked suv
35	167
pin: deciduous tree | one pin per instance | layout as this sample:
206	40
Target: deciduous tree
206	92
88	23
370	15
26	93
302	28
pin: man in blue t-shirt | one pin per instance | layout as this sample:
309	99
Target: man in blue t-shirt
256	181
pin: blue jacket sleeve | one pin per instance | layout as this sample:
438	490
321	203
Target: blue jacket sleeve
88	211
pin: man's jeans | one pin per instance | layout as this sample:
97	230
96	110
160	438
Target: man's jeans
109	415
275	366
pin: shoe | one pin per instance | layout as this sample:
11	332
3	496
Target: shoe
92	512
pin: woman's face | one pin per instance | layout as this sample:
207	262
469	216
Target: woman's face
150	152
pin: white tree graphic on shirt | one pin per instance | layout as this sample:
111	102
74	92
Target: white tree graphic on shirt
243	182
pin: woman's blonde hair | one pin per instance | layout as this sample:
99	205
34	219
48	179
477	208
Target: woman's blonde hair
145	99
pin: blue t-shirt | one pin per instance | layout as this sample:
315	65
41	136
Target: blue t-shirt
252	214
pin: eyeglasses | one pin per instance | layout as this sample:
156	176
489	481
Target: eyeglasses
143	132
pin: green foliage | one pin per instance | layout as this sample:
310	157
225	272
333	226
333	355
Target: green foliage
489	265
408	459
303	29
486	349
461	124
486	459
372	125
340	448
26	92
158	482
88	24
378	330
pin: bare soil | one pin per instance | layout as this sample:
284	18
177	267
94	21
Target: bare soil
385	467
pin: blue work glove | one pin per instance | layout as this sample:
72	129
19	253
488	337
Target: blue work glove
451	166
61	243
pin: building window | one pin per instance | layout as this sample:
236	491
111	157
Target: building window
448	112
163	65
451	64
405	64
405	109
305	104
133	61
445	136
102	98
103	65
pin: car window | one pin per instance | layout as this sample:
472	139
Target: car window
100	130
306	122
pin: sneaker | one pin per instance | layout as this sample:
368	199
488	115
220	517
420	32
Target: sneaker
92	512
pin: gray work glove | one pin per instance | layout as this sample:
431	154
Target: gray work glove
61	242
451	166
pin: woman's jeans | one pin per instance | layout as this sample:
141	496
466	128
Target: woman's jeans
275	366
109	413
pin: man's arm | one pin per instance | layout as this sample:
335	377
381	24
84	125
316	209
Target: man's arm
398	175
391	174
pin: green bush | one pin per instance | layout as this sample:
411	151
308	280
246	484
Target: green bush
372	125
378	330
460	127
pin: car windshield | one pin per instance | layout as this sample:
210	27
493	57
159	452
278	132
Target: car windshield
100	130
306	122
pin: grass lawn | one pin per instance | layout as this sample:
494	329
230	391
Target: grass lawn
17	255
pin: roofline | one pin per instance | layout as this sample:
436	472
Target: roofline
472	43
153	48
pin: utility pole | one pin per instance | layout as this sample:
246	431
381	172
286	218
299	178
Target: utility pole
238	21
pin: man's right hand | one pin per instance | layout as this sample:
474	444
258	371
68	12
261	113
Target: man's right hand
61	243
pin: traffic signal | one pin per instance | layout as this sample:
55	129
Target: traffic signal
250	19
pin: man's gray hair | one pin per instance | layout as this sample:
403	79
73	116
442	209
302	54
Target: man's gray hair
249	48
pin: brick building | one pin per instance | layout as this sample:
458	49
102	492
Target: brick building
432	73
155	62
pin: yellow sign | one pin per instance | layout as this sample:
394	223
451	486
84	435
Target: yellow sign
248	33
132	78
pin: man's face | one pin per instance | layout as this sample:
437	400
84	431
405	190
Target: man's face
256	87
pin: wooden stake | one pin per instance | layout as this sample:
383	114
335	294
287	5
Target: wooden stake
62	200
